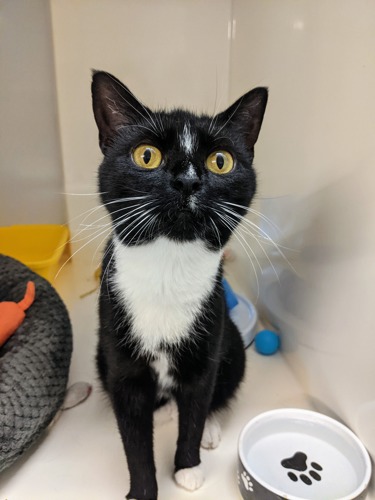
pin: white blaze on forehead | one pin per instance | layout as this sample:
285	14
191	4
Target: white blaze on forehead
187	139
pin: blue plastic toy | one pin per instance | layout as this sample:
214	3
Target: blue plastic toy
230	296
267	342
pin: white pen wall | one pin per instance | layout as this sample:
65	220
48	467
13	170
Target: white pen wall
316	165
31	175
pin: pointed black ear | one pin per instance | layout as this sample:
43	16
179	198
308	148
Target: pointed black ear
245	116
114	106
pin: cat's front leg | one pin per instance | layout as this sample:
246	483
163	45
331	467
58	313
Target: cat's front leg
193	405
133	403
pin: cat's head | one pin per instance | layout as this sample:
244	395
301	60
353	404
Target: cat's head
175	174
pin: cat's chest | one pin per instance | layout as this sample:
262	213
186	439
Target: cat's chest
163	285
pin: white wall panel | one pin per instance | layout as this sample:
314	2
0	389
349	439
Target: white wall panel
168	53
31	177
315	160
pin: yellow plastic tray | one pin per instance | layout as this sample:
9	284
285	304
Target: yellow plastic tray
39	246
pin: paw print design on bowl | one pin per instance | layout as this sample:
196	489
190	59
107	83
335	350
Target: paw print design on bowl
246	479
296	453
298	463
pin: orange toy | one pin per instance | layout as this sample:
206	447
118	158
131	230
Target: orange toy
12	314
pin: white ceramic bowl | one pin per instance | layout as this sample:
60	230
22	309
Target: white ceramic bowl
301	455
245	317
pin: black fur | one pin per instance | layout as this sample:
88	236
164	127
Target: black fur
209	364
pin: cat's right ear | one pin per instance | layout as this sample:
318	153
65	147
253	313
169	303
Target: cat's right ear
245	116
114	106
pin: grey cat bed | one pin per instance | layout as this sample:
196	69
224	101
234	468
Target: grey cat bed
34	362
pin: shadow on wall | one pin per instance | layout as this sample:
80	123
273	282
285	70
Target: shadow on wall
323	305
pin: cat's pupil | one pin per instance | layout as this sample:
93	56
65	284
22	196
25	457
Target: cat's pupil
220	160
147	156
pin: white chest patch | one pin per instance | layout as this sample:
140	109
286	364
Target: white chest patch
163	285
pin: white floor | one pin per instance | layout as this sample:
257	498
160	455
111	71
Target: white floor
80	457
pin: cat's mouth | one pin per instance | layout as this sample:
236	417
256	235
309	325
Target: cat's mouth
188	209
185	220
185	213
189	205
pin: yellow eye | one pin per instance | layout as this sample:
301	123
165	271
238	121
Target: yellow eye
147	156
220	162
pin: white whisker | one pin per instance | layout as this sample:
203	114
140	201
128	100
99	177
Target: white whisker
236	227
216	230
74	253
137	205
121	237
244	248
267	237
255	212
84	194
240	227
231	116
138	210
137	126
216	107
90	211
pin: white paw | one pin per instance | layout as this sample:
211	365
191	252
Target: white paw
166	413
211	434
191	479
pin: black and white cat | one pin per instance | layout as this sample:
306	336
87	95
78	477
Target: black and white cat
175	185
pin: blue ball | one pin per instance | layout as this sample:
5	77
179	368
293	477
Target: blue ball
267	342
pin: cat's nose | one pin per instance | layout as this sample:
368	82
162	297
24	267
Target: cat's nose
187	183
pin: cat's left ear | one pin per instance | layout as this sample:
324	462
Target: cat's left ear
245	116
